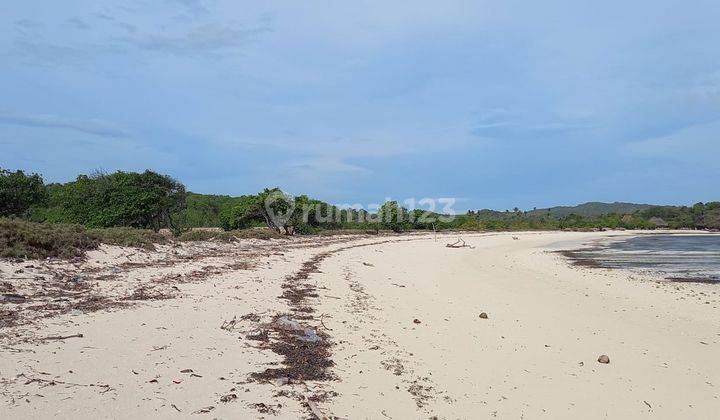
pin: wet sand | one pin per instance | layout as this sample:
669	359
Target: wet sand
399	318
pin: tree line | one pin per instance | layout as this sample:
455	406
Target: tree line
149	200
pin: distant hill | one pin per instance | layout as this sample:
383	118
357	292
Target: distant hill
591	209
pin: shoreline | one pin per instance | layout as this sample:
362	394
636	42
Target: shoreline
534	355
585	254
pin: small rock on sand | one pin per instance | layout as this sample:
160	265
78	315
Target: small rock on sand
604	359
484	315
417	321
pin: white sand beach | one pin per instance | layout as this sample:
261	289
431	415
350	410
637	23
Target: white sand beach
401	319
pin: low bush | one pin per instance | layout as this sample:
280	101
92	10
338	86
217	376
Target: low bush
23	239
228	236
125	236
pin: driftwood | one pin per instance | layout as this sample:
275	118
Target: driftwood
316	411
459	244
228	325
51	382
62	337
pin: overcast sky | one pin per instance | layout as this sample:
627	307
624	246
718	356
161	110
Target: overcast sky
496	103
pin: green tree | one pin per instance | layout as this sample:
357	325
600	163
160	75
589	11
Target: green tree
19	192
242	214
279	211
391	216
141	200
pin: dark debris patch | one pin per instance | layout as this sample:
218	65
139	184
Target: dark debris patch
148	293
8	318
251	317
421	392
577	259
304	360
705	280
264	408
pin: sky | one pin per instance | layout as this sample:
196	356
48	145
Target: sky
498	104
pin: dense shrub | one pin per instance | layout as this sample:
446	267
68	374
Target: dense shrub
141	200
19	192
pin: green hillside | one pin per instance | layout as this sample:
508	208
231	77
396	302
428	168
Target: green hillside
591	209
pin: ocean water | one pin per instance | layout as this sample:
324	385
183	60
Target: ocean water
680	257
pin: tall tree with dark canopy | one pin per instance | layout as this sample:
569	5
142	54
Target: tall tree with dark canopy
19	192
141	200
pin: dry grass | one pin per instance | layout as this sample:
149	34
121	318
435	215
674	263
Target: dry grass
125	236
229	236
22	239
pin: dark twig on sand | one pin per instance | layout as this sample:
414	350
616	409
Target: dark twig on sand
50	382
229	325
61	337
460	243
323	324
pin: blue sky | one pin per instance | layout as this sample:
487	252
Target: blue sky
497	103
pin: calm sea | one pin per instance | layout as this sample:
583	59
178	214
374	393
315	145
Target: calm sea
692	257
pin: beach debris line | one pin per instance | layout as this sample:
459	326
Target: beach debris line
305	334
305	349
306	352
604	359
12	298
460	243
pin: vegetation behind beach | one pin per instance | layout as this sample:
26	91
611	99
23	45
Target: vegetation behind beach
127	208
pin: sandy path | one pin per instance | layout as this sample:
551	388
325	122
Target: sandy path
534	357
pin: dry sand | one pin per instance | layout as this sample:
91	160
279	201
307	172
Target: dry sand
535	356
